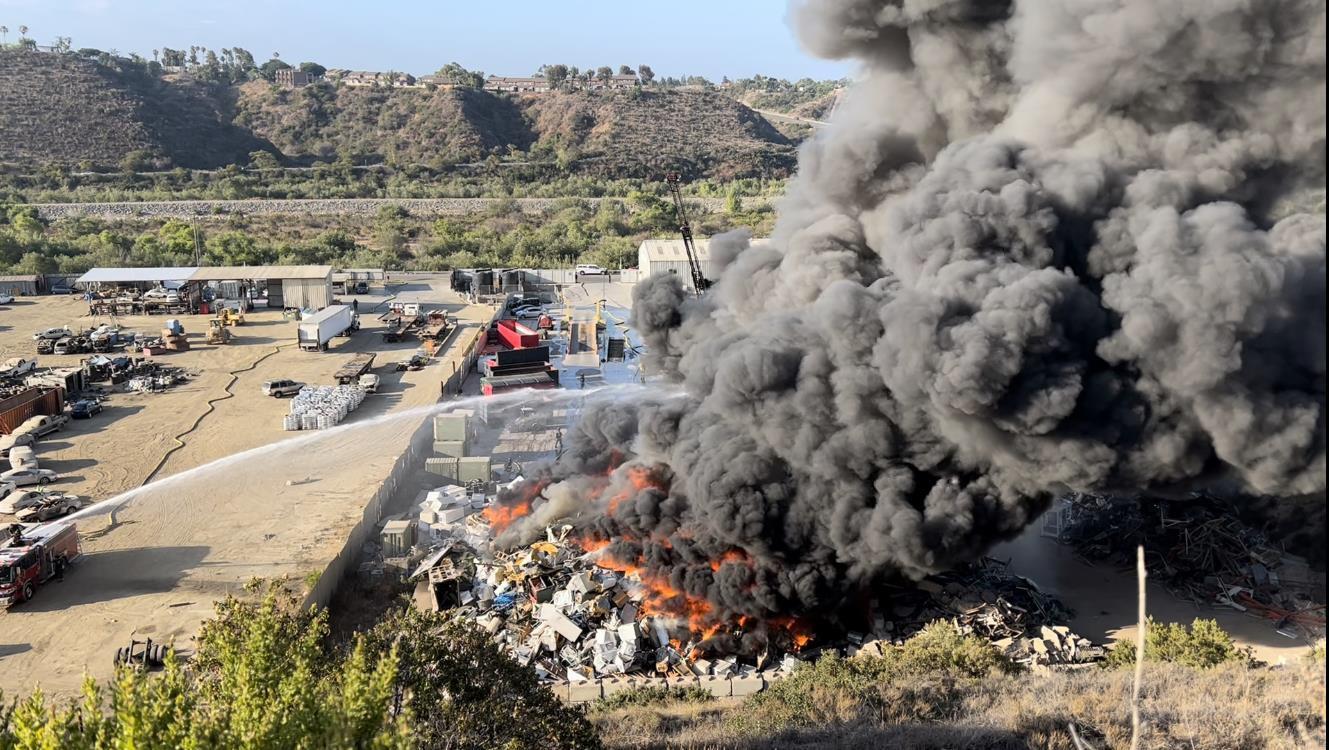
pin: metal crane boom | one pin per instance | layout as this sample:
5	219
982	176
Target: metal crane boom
699	280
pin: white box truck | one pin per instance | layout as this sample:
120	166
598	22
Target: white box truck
317	330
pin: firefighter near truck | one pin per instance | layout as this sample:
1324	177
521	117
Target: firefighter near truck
31	555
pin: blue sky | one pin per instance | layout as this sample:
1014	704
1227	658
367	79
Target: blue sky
714	38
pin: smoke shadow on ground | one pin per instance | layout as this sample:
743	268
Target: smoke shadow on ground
114	574
1104	598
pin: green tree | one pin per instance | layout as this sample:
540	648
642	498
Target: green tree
604	73
35	262
235	249
268	70
556	75
136	161
464	692
457	75
313	69
733	203
645	73
263	160
624	70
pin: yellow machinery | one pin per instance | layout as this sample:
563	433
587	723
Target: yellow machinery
230	317
218	333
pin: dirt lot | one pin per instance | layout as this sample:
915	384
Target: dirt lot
156	566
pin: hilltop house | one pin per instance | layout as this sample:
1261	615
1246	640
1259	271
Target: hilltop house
516	83
372	78
292	78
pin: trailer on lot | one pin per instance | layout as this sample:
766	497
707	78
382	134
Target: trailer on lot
315	331
350	373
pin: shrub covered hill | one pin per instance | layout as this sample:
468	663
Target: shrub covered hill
61	109
70	110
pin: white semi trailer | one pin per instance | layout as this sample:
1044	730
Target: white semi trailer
317	330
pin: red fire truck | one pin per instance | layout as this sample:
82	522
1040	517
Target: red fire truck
31	555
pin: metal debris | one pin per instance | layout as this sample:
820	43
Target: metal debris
1200	552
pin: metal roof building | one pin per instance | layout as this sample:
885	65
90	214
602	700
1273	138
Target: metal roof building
305	287
668	256
136	275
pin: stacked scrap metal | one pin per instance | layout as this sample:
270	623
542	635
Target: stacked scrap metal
323	406
1200	552
151	377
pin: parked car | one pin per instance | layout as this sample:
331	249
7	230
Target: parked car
528	311
24	477
161	294
17	500
85	408
50	506
17	367
6	299
279	388
52	333
362	287
15	440
45	346
62	289
589	269
40	425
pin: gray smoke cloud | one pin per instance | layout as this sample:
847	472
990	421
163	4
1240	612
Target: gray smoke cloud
1043	246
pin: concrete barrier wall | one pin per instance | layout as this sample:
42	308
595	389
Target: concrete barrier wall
604	687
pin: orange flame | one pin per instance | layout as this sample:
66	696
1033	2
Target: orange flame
736	556
500	517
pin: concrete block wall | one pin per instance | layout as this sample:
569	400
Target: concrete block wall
603	687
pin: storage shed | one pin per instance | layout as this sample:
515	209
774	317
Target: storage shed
20	286
304	287
656	256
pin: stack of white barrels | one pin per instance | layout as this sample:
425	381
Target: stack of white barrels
322	406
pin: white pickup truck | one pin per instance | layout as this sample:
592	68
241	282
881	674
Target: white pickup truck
17	367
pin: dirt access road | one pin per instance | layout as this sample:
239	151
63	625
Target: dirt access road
281	504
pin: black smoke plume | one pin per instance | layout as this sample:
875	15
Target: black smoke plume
1042	246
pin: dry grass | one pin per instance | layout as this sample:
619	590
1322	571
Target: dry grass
1230	707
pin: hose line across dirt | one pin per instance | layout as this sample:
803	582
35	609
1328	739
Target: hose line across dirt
112	521
179	442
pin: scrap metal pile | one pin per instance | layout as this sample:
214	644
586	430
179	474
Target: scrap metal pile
1200	552
151	377
323	406
554	608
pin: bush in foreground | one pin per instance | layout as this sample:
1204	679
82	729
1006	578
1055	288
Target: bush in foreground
264	678
1203	645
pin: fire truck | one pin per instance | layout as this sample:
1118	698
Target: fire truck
31	555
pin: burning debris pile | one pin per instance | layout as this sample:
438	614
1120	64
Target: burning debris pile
571	611
1041	247
1201	553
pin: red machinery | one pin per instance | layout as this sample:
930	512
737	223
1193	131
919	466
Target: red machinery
31	556
514	335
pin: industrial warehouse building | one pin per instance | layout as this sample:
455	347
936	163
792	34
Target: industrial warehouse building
304	287
656	256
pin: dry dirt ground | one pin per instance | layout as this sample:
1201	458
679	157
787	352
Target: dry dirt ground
283	506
